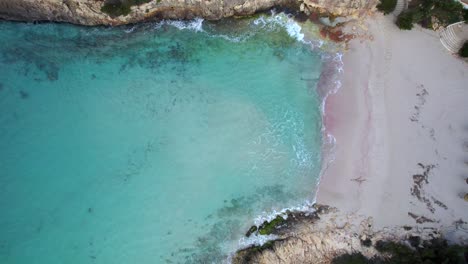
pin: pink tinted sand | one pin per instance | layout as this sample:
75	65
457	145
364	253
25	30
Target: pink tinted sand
403	103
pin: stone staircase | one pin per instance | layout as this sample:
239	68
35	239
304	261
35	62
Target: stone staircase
401	5
453	36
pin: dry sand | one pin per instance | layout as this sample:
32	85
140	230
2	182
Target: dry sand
400	118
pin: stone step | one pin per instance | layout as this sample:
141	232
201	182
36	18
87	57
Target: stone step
450	39
401	5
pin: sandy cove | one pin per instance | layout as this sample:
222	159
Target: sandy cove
401	127
401	156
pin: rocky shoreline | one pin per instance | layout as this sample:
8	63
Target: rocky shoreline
328	236
92	13
324	236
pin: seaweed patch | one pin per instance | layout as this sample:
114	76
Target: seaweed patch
417	190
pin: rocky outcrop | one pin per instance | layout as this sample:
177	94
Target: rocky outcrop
325	235
88	12
339	8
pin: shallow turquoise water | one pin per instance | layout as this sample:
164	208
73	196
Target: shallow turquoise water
151	144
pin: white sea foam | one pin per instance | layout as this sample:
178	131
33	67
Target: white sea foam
130	30
294	30
194	24
281	19
230	38
264	22
328	155
255	239
306	206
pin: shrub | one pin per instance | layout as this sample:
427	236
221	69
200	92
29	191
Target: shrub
447	12
405	20
464	50
422	12
387	6
115	8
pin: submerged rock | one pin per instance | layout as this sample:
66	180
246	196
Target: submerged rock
252	230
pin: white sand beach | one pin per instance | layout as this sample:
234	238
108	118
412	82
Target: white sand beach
401	127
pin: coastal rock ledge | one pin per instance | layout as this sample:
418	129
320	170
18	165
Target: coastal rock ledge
328	236
90	12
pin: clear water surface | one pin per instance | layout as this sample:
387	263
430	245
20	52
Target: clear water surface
158	143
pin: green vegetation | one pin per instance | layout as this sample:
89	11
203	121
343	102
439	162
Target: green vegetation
115	8
435	251
355	258
387	6
268	227
424	12
405	20
464	54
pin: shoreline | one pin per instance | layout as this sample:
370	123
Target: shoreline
400	154
388	126
399	128
92	12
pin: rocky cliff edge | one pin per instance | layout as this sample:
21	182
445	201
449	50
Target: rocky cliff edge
90	12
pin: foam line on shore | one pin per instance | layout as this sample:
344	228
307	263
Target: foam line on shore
264	22
329	84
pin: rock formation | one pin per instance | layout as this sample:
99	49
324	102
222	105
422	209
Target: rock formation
323	236
89	12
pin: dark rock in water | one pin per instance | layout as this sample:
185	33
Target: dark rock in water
251	230
52	75
281	224
24	95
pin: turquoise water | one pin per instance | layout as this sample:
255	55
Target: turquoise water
157	143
